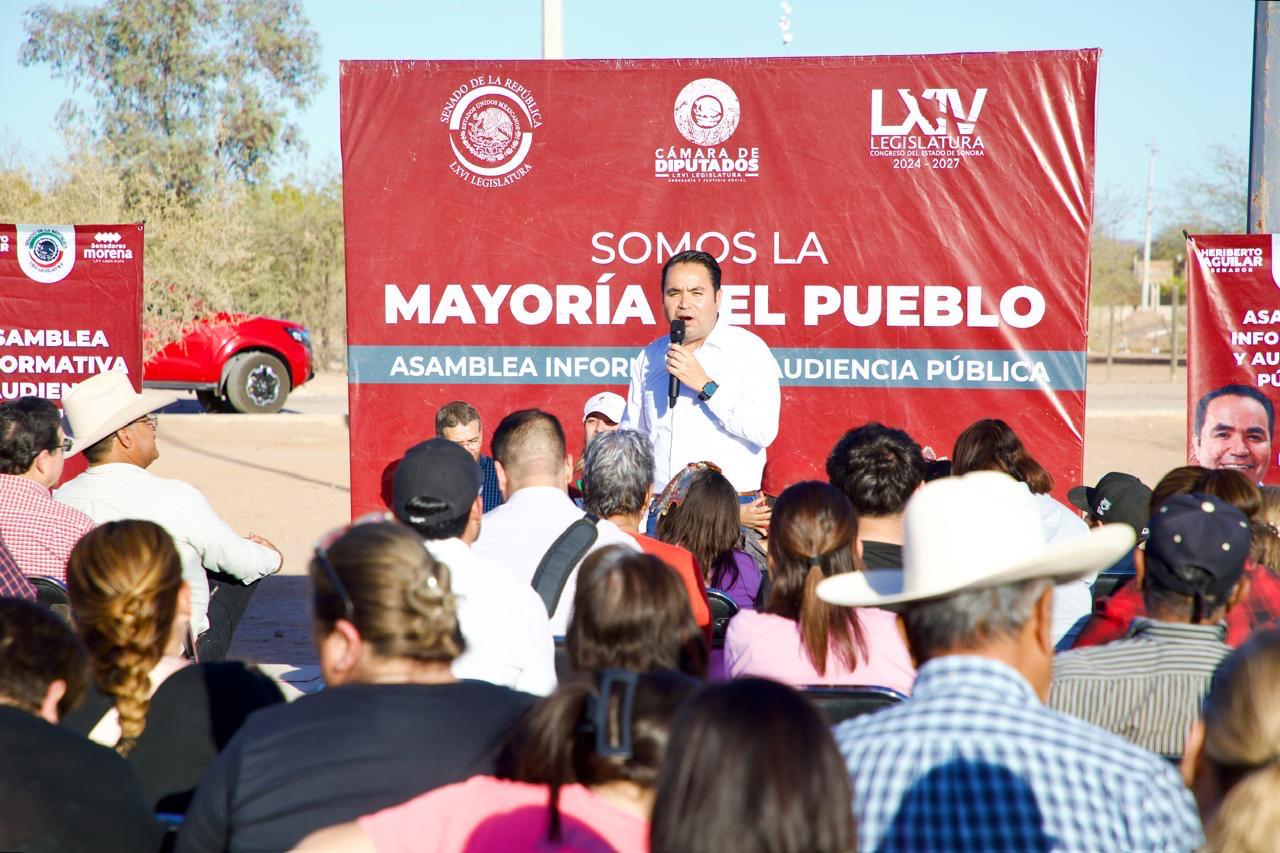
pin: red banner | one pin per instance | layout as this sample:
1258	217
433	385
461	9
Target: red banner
72	297
910	236
1233	352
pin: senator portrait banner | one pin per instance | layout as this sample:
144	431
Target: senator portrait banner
909	234
1233	352
71	298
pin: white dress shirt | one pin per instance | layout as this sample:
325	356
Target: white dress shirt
1072	600
503	621
118	490
517	535
732	429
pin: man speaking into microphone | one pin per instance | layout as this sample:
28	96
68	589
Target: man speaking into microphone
724	379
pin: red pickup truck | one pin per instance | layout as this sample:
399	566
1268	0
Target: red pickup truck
235	362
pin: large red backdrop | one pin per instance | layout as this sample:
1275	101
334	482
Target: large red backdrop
909	234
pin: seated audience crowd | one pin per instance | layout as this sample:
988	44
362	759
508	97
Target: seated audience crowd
927	654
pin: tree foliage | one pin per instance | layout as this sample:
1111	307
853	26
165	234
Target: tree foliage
188	92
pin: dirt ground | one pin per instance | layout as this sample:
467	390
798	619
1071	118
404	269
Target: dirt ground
286	476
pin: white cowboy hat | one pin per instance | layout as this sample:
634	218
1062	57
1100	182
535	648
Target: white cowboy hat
972	532
102	404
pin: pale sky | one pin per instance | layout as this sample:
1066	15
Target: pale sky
1176	72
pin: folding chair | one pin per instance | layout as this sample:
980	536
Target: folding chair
843	703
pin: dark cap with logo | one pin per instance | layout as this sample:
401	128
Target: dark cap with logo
1118	497
1199	531
438	470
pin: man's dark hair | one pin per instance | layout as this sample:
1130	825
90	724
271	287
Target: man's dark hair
28	426
529	441
1202	407
455	414
877	467
429	506
36	649
691	256
1161	602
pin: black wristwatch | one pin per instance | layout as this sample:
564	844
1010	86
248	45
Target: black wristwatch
707	390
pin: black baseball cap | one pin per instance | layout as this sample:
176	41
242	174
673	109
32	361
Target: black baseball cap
1117	497
438	469
1201	531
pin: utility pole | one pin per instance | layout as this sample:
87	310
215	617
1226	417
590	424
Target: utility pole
1149	299
1264	136
553	29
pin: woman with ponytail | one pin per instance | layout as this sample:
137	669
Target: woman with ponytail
587	768
797	638
1232	759
392	721
132	611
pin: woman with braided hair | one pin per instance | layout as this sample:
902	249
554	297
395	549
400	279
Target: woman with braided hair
392	720
132	611
797	638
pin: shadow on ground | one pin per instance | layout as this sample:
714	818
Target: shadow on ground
277	626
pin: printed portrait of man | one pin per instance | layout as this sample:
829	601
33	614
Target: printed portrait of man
1233	429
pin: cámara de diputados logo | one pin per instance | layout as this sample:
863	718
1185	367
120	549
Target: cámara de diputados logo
706	114
46	253
491	120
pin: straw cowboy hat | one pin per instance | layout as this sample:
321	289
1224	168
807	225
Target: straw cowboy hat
102	404
973	532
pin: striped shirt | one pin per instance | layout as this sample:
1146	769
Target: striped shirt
974	761
1148	687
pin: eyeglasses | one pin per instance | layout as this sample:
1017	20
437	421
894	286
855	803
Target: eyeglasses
65	444
326	565
152	420
348	606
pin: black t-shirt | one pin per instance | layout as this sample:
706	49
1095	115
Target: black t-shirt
192	716
881	555
344	752
61	792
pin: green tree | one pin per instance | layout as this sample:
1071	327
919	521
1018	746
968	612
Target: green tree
188	93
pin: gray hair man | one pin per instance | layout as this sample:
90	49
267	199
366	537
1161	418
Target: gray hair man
617	485
976	599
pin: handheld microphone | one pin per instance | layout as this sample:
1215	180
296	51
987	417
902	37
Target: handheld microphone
677	337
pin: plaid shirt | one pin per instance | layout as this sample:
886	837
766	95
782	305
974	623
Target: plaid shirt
1260	608
489	487
12	582
974	761
39	531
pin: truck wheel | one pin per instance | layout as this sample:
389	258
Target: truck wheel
212	402
257	383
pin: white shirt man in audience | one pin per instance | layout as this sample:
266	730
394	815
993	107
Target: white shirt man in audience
534	471
436	491
727	411
38	531
1148	687
974	760
116	428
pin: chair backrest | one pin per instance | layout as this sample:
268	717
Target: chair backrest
844	703
52	594
1108	582
723	608
562	660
